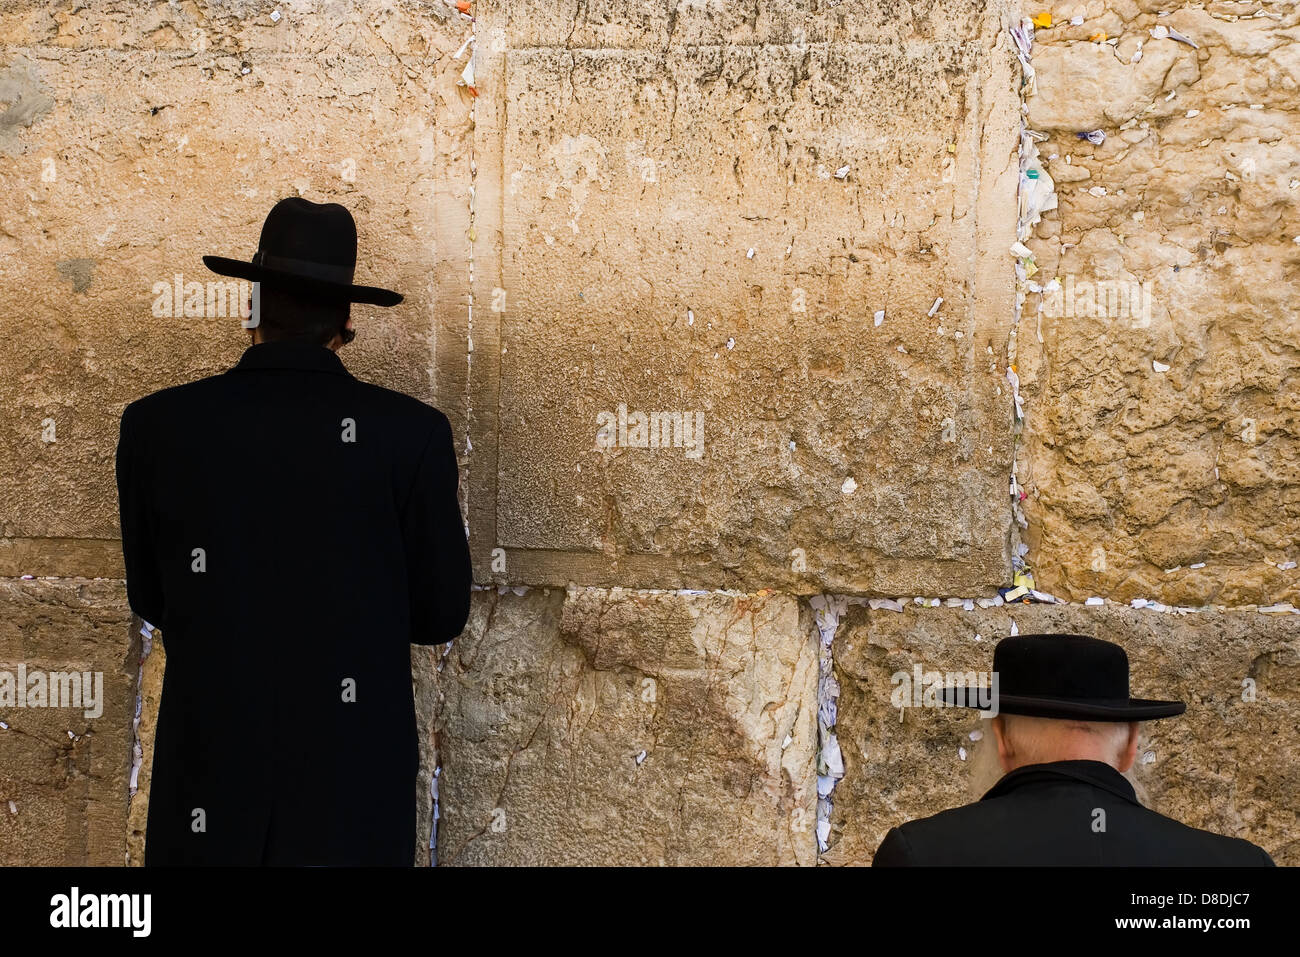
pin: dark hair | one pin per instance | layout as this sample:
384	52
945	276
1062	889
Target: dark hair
300	317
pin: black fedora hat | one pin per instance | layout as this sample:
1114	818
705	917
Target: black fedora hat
1065	676
306	246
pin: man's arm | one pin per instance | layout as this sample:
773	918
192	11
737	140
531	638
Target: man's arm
144	590
437	553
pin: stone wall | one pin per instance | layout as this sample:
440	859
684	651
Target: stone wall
790	227
1161	452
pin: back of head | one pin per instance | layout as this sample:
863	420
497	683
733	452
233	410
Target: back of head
299	317
1034	740
1044	740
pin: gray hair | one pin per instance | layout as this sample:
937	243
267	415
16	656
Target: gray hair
986	771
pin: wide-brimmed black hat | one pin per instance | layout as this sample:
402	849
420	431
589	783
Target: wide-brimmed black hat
310	247
1065	676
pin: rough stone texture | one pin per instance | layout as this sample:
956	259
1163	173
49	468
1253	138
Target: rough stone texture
63	775
133	141
577	236
673	237
1133	471
607	727
1226	765
620	24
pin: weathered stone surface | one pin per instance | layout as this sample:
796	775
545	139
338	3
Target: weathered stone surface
645	24
1085	86
63	775
578	236
1226	765
1136	474
609	727
231	27
709	231
156	148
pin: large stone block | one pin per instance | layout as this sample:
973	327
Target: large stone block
646	24
63	773
126	160
246	28
1162	385
612	727
709	232
1228	764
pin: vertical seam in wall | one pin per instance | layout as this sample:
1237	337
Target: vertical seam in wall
469	316
470	44
137	748
827	611
1022	38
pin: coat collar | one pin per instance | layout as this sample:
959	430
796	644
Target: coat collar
285	354
1094	773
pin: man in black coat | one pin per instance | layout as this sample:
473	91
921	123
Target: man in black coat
292	531
1065	730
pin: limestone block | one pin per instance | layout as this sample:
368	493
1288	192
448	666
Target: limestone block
244	27
1162	396
709	232
128	156
623	24
63	774
610	727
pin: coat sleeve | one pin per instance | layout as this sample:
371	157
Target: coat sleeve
894	851
144	591
437	552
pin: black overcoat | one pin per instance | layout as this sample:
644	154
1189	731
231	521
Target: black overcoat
292	530
1048	814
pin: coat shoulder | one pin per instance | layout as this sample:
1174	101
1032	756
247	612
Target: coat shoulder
404	406
400	407
934	839
175	396
1206	847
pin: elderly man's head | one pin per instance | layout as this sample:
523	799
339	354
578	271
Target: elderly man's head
1025	740
1011	741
